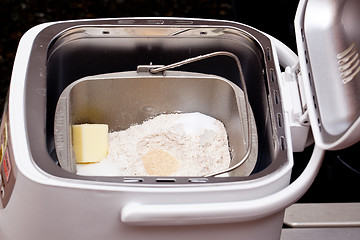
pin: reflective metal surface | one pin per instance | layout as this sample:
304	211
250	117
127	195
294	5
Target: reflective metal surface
331	37
312	215
321	234
127	98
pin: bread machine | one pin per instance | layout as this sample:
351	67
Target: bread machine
288	96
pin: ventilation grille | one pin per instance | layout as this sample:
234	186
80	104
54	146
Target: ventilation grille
349	63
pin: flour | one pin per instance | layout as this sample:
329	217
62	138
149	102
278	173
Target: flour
186	144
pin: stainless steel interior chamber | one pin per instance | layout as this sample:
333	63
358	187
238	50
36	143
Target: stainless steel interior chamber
66	53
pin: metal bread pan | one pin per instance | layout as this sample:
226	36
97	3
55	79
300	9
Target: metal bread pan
128	98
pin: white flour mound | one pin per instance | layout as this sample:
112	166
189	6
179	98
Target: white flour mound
179	144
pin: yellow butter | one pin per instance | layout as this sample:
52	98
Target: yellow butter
90	142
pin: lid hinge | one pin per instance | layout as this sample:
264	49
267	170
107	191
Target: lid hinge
296	107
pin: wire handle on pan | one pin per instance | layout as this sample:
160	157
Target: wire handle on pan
247	104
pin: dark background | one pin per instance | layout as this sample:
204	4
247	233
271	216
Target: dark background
339	177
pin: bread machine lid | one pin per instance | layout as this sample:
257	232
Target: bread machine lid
328	41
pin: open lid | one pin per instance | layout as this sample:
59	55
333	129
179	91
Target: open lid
328	40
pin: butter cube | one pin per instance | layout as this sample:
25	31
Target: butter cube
90	142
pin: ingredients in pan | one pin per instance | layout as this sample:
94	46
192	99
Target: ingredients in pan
90	142
180	144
